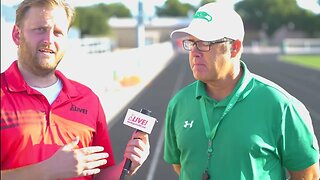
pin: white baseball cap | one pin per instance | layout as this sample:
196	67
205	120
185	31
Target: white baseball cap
211	22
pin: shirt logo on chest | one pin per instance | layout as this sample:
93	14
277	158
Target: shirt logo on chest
188	124
77	109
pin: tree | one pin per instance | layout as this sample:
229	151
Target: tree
270	15
308	22
173	8
114	9
267	15
203	2
92	20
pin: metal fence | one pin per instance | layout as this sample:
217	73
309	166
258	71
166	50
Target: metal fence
301	46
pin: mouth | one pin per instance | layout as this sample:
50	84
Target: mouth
47	51
198	64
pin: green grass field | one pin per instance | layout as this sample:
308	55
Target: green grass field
312	61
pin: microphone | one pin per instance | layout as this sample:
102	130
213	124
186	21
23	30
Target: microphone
141	121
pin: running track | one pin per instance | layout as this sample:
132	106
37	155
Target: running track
301	82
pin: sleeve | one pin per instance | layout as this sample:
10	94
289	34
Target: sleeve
102	137
171	151
300	147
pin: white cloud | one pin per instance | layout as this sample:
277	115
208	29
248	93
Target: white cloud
309	4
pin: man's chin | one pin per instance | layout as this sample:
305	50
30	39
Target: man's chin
48	64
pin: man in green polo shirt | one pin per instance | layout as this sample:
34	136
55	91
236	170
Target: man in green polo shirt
231	123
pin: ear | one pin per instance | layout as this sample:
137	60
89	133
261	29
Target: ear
235	48
16	33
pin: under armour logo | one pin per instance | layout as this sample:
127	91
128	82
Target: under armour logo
188	124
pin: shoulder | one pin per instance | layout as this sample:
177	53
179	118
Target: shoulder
80	86
270	87
271	91
75	88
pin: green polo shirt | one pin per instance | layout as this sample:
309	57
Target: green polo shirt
265	131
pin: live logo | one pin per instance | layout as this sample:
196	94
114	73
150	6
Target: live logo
139	121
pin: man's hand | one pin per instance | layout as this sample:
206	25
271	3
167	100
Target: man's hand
137	150
71	162
310	173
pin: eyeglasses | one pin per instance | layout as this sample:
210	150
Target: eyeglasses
203	45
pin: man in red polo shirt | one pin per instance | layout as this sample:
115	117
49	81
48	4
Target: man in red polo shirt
53	127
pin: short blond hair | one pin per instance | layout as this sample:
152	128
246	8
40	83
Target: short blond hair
25	5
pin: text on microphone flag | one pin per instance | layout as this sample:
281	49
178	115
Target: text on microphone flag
139	121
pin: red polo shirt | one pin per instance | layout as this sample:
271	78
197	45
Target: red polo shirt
32	130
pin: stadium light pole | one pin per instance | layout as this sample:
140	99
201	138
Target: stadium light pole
140	25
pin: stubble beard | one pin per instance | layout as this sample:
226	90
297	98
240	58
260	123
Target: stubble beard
37	65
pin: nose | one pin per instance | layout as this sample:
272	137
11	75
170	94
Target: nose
48	37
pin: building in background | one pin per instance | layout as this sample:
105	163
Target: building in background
156	30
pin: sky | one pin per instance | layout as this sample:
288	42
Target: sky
149	5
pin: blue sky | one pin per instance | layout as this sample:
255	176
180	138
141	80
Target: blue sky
150	4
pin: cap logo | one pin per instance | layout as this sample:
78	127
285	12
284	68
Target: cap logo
202	15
